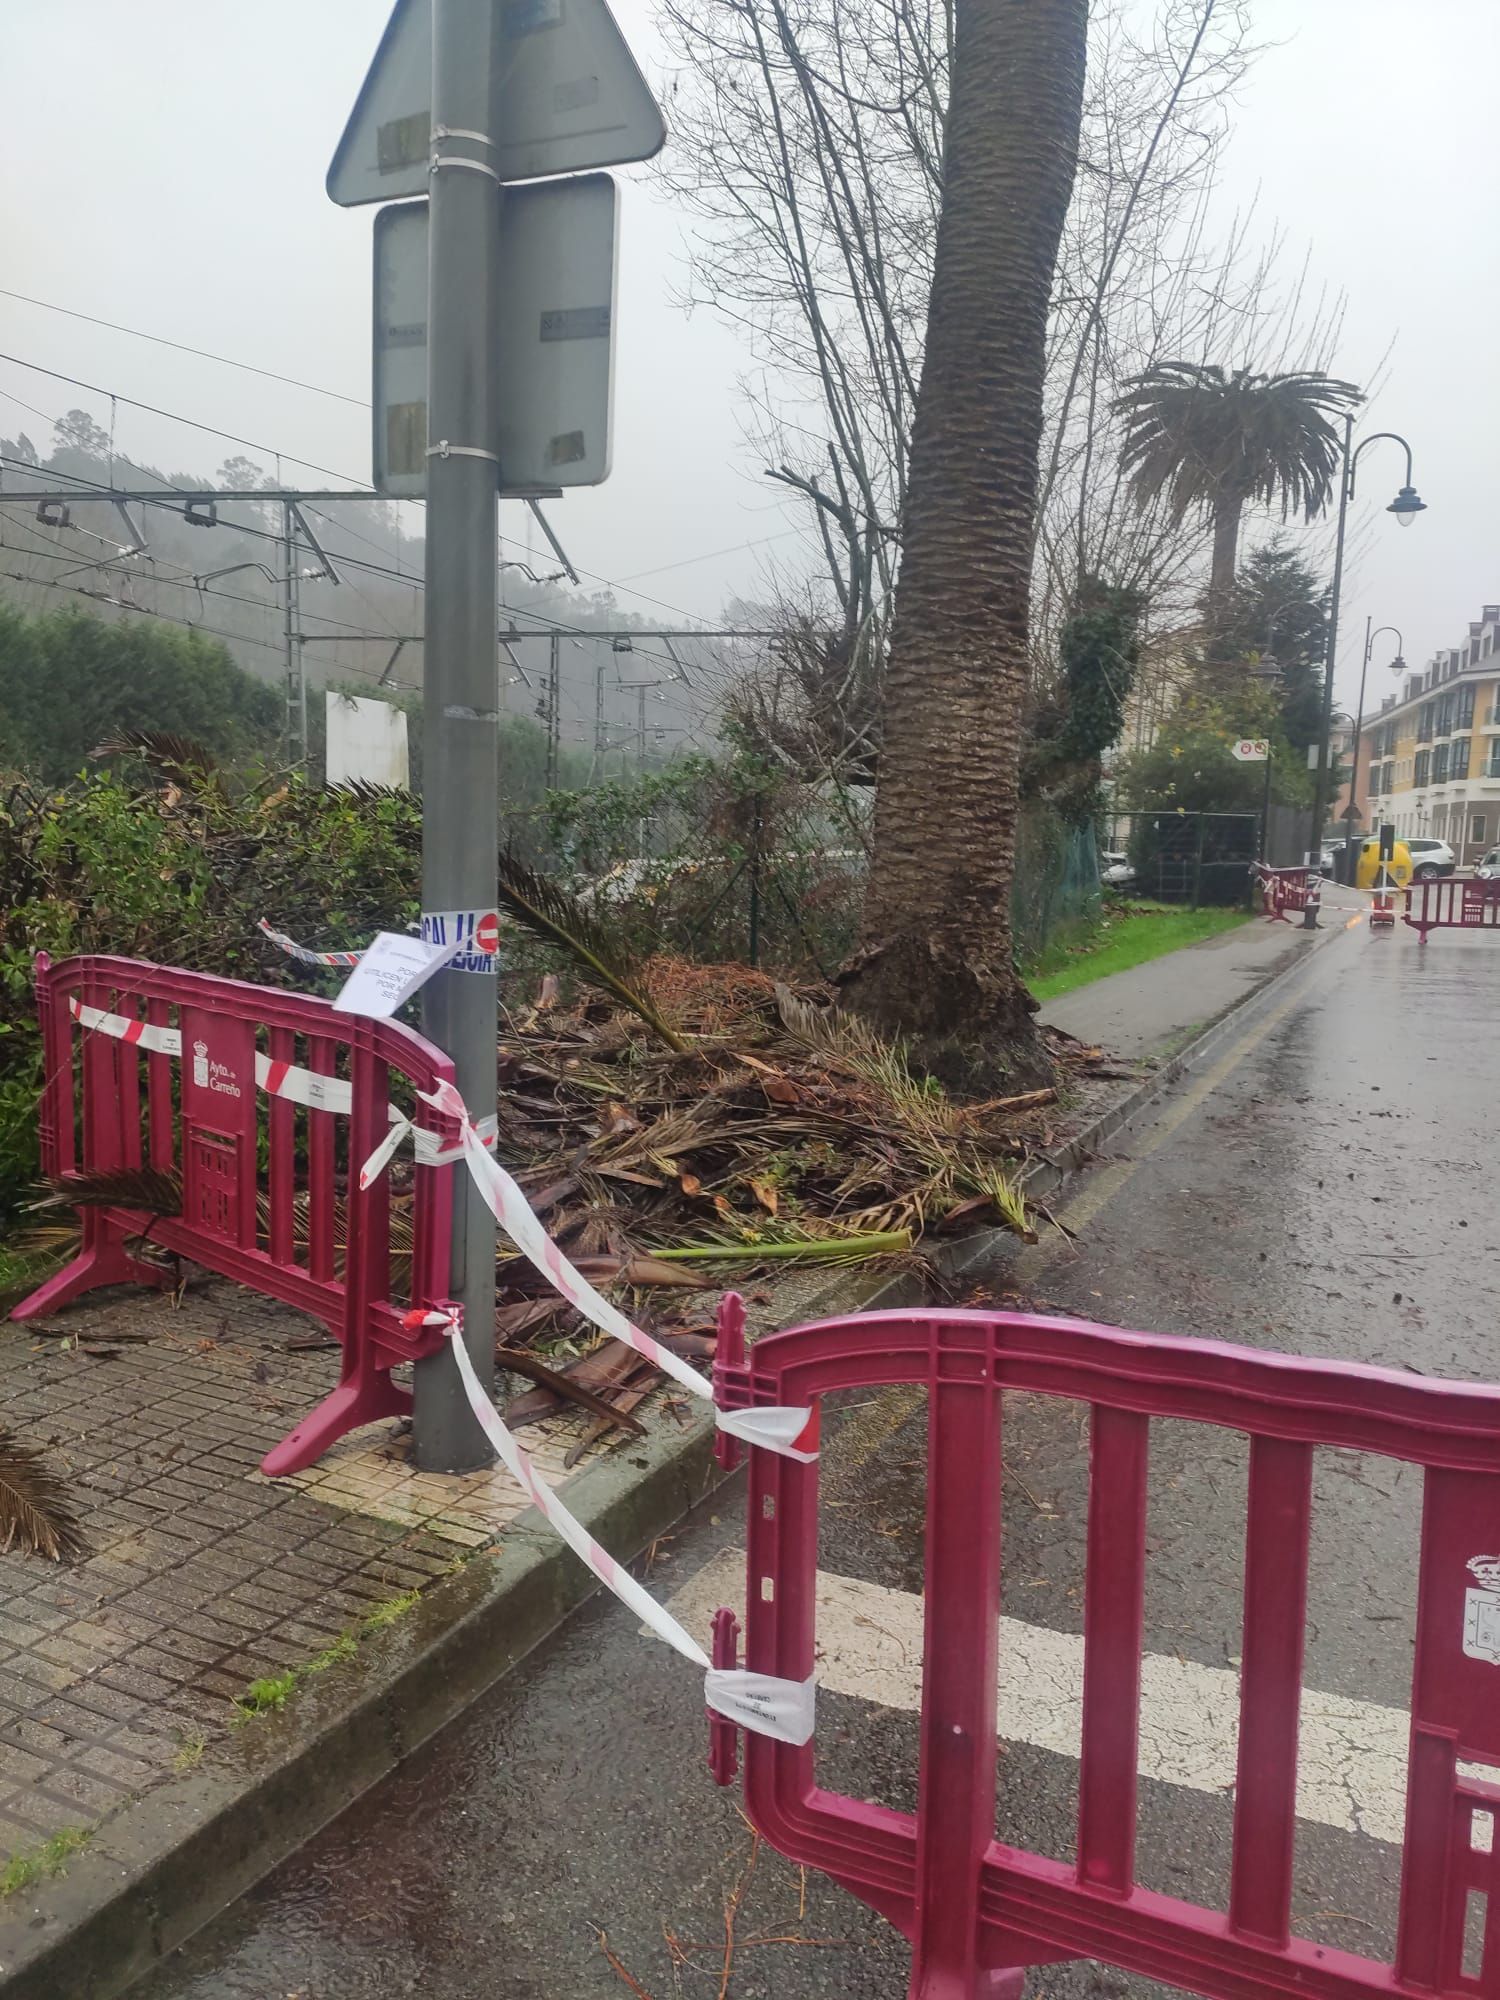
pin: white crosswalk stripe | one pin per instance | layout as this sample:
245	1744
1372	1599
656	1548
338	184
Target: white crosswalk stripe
1352	1755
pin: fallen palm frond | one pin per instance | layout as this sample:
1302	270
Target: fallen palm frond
521	1361
180	759
149	1190
368	792
547	909
756	1247
35	1515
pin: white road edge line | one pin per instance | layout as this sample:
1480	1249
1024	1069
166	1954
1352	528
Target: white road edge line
1352	1754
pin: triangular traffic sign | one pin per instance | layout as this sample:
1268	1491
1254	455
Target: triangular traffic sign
566	96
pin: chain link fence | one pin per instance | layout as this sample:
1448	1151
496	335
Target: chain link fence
1197	858
723	864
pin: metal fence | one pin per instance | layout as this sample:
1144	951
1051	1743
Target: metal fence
1197	858
770	876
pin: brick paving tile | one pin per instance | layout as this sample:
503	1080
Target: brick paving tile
19	1631
95	1794
207	1628
181	1590
84	1725
301	1640
220	1681
278	1597
33	1735
320	1574
53	1593
50	1674
407	1575
204	1475
21	1766
41	1814
359	1586
193	1710
183	1534
62	1649
160	1660
129	1513
252	1662
156	1745
48	1616
134	1680
15	1836
241	1616
101	1633
193	1646
108	1761
20	1697
102	1703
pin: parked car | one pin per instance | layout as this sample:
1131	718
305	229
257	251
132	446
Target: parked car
1488	869
1115	871
1431	858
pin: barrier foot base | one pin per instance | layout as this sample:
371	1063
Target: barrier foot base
997	1983
103	1263
349	1408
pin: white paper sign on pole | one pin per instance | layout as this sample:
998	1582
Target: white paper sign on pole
566	96
390	971
555	358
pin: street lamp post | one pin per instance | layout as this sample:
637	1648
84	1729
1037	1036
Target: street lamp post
1359	722
1406	506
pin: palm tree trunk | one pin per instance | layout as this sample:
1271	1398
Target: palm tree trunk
934	963
1221	575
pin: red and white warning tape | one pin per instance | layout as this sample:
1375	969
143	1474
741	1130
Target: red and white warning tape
140	1034
284	1079
791	1432
301	952
772	1707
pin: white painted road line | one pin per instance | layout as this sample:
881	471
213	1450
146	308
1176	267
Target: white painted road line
1352	1759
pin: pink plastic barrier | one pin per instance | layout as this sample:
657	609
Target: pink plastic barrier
1284	889
1451	905
978	1913
265	1103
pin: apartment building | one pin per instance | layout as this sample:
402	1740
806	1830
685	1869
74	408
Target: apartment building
1429	760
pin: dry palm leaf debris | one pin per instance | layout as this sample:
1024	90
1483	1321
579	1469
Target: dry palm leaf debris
781	1130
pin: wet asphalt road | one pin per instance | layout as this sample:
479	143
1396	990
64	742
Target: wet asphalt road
1328	1187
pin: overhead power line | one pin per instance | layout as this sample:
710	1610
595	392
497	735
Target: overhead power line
251	444
203	353
174	417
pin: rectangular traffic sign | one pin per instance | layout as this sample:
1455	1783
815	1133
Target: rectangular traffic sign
555	349
566	95
1251	749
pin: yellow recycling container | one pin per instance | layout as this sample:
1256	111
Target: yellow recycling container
1367	870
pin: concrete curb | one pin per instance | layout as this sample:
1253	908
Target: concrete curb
170	1864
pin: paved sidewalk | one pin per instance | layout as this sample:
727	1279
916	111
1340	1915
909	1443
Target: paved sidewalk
1152	1009
123	1671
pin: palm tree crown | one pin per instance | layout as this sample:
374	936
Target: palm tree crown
1216	441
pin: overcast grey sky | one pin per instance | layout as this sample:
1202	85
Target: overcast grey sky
163	165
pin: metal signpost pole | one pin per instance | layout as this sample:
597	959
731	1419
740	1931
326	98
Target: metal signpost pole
460	804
